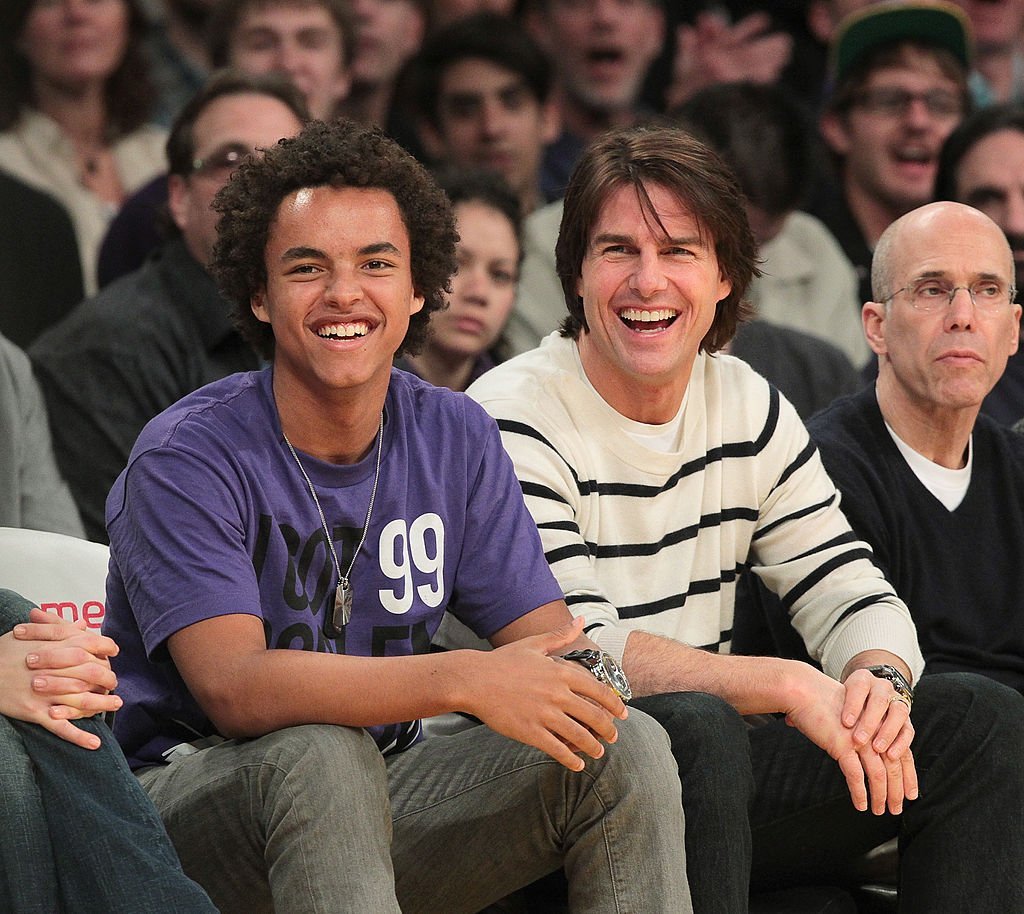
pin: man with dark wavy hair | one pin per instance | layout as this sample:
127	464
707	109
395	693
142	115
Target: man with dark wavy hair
283	545
660	470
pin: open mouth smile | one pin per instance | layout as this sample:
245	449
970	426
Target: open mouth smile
642	320
340	331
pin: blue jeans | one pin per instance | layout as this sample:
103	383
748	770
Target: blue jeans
79	834
765	807
314	819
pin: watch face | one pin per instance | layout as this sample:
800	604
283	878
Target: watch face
616	678
605	670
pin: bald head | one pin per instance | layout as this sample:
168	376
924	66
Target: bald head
916	229
943	323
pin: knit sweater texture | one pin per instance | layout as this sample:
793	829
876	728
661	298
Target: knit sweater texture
652	541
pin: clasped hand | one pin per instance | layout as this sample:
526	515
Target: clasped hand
527	692
866	732
54	672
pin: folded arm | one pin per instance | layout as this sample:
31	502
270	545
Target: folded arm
520	689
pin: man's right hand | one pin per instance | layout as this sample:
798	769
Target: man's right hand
816	710
523	690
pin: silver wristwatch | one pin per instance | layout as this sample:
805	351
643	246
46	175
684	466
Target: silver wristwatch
899	683
605	669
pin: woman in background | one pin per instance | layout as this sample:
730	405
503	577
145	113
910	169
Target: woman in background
465	338
75	100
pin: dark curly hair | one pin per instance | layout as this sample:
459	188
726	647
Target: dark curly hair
129	89
339	154
671	158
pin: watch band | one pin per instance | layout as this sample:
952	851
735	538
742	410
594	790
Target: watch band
902	688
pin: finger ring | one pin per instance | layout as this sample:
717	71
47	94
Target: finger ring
902	699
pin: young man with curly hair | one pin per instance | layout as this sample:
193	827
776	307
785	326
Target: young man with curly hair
283	544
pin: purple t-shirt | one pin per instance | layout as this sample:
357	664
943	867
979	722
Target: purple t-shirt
212	516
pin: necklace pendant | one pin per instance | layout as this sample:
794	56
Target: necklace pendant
342	604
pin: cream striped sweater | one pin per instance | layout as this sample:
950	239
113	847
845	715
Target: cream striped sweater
640	539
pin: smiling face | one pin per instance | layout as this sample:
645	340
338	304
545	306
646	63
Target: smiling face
69	43
951	358
484	288
649	296
339	292
301	41
602	49
891	156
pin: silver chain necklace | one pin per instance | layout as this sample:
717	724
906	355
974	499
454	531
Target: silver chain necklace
343	593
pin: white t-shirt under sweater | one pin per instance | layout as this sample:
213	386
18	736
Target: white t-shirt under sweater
640	539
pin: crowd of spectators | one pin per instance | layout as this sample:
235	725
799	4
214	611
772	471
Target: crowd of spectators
122	120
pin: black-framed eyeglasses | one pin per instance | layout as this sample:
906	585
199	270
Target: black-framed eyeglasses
894	103
220	163
987	295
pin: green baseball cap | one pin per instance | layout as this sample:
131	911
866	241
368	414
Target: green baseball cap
937	23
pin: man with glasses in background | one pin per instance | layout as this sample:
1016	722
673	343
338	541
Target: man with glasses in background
899	75
159	333
934	487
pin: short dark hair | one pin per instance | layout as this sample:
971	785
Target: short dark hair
128	90
339	154
962	140
226	14
181	142
847	90
677	161
497	39
750	126
474	185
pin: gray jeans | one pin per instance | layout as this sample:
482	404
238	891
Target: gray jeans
313	819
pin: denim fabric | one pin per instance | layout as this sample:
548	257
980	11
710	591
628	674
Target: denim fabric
312	819
80	835
774	809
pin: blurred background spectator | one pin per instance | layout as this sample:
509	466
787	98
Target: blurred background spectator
40	270
998	74
311	42
465	339
601	51
75	102
178	57
982	165
484	99
161	332
388	34
899	74
806	281
32	493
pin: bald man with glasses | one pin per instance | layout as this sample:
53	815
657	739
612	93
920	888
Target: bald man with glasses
934	487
